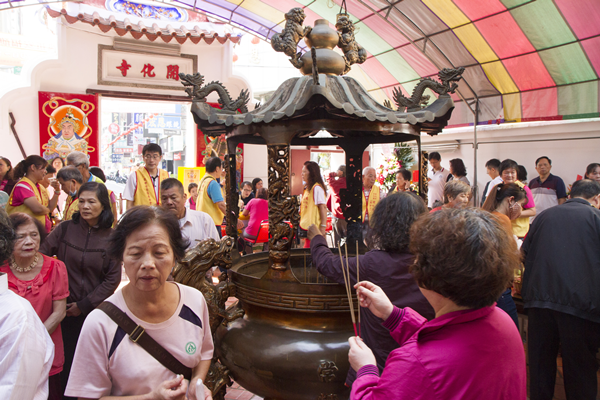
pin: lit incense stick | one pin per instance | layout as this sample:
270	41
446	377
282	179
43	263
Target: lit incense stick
347	290
358	280
350	290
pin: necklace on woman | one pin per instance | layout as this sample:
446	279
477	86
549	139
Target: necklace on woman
13	265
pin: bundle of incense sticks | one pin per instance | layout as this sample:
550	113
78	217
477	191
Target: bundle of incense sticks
346	273
358	280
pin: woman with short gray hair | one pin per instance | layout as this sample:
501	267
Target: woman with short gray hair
456	195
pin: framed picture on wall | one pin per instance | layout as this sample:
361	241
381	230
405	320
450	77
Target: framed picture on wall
68	122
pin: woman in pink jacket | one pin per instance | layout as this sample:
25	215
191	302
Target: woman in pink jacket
471	349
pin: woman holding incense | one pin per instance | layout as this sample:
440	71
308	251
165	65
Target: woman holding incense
464	260
387	266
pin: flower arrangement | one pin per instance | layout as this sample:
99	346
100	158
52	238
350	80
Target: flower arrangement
386	173
401	158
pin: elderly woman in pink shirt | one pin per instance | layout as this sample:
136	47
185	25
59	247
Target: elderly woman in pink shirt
471	349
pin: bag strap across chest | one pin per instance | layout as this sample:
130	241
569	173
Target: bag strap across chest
138	335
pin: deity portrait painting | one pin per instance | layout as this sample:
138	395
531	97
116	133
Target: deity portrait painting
67	128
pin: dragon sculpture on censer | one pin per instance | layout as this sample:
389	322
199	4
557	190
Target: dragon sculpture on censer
284	207
191	271
194	89
448	76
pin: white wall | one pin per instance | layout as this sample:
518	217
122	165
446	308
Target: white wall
75	71
569	157
256	163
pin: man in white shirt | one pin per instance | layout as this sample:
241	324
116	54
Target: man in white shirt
195	225
493	170
26	349
437	178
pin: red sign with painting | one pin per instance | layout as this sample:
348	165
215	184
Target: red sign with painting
68	122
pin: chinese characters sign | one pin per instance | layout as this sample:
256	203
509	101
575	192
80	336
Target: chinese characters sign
123	68
165	121
173	72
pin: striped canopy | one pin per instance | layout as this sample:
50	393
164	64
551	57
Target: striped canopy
524	59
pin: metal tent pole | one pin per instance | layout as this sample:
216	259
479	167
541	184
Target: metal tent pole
475	147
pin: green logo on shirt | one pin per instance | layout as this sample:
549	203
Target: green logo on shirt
190	348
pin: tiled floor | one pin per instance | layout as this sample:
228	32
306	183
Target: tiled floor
236	392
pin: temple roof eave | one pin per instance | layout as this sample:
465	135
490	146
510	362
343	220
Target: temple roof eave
168	31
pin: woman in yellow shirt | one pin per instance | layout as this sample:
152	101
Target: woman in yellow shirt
28	196
313	209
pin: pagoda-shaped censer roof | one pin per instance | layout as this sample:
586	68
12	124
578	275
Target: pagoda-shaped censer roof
339	96
323	99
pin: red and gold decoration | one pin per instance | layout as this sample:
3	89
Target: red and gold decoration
68	122
216	146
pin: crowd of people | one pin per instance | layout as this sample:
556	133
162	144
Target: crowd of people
461	261
439	320
67	270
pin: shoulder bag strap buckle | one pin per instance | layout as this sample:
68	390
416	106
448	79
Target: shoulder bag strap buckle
136	334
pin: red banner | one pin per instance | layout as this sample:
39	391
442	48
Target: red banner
69	122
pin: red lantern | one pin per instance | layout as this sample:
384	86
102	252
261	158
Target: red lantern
255	40
235	57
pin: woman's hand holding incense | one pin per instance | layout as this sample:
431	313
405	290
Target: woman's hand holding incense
360	354
373	297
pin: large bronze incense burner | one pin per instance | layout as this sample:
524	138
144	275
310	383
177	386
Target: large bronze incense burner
286	338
